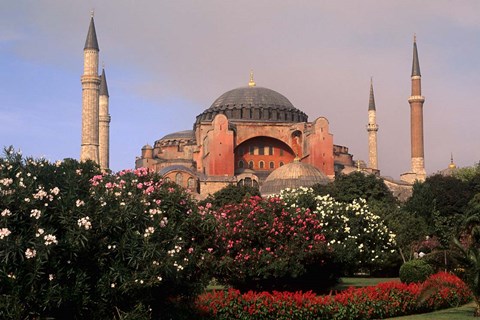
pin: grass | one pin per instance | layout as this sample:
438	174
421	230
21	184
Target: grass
461	313
344	283
361	282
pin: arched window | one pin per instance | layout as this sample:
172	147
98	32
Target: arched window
252	150
261	150
272	165
247	182
240	164
191	183
250	164
261	165
280	164
270	150
179	179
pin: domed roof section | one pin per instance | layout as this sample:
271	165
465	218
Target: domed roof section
186	134
253	103
252	96
293	175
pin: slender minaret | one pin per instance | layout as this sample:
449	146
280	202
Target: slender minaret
90	89
416	118
372	129
104	123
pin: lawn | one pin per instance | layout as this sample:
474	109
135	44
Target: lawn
460	313
347	282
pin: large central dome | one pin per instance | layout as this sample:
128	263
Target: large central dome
253	104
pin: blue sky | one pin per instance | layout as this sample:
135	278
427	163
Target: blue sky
167	61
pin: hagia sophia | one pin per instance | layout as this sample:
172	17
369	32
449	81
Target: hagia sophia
250	135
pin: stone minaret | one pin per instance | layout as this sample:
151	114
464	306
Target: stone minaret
90	89
416	118
372	129
104	124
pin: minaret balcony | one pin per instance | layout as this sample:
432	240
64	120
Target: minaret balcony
416	99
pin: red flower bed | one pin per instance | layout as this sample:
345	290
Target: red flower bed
385	300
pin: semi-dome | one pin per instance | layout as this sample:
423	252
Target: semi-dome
293	175
253	104
185	134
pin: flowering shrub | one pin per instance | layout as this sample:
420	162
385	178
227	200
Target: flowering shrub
261	243
357	237
378	302
76	243
296	241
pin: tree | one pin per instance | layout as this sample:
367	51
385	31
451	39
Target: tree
468	243
358	185
230	195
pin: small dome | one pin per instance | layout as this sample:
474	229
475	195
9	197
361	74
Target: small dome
293	175
253	104
147	146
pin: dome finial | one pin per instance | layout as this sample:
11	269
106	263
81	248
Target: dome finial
452	165
92	13
251	83
414	37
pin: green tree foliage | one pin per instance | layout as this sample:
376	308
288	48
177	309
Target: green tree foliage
409	229
346	188
467	173
230	195
441	201
468	243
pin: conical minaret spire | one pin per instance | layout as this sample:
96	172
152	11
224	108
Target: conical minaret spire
371	102
416	101
90	97
104	123
415	63
91	41
372	129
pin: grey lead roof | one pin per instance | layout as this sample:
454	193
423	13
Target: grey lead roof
252	96
371	102
91	42
415	64
186	134
253	104
103	84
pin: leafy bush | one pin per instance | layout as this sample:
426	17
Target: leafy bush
231	194
377	302
417	270
75	243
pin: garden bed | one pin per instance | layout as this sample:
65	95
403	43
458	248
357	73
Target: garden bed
382	301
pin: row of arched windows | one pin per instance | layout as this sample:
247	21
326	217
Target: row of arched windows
179	181
258	150
261	164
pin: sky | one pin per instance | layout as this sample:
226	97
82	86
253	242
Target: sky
167	61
